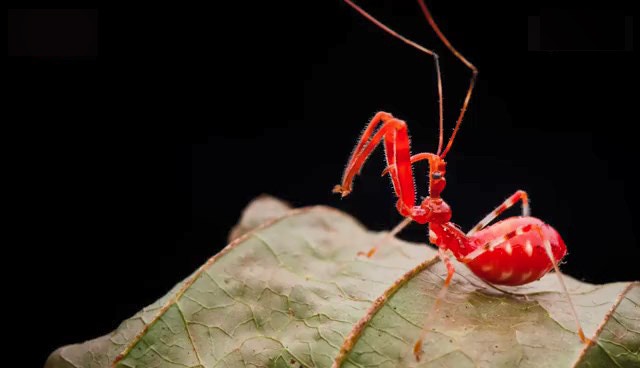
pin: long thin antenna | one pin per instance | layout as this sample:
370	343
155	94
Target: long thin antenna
466	62
420	48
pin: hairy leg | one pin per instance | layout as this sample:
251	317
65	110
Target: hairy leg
397	148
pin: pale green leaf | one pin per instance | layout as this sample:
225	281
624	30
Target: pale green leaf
293	293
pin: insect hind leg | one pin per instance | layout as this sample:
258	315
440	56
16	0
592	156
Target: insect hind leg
547	248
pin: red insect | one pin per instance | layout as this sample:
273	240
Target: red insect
514	251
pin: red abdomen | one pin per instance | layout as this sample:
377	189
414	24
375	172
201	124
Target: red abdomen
520	259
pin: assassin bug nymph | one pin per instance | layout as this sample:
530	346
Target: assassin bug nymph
514	251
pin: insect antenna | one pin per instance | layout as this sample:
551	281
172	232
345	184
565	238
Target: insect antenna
416	46
466	62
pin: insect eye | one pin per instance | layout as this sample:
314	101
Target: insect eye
436	175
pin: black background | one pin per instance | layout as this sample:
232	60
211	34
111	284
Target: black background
53	33
130	168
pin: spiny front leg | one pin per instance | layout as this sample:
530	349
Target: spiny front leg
520	195
397	149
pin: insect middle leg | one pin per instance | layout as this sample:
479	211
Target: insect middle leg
519	195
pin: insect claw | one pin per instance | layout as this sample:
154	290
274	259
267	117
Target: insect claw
387	169
417	350
340	189
583	338
368	254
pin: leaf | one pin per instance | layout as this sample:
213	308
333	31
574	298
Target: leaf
618	344
291	292
261	210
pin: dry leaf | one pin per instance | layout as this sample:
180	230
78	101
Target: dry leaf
291	292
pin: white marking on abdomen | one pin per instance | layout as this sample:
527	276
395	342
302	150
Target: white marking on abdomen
519	231
528	248
526	276
508	248
487	268
505	275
